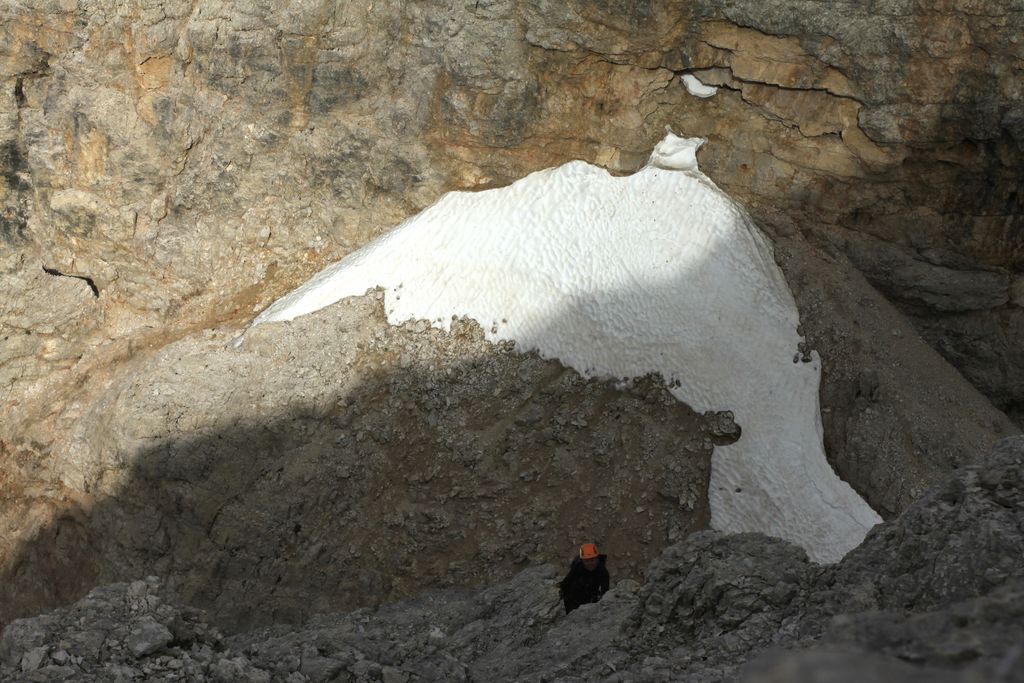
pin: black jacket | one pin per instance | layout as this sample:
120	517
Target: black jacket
581	586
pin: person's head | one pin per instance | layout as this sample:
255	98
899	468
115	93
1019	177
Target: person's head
588	555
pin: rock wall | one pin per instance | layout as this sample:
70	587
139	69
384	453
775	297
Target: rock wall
897	418
171	166
195	159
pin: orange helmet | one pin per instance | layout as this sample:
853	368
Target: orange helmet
588	551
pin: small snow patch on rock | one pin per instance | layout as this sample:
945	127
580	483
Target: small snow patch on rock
696	88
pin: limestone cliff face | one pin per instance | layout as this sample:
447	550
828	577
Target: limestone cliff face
169	166
194	158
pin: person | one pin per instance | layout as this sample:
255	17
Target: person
587	579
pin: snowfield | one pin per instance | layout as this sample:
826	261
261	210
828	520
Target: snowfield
618	277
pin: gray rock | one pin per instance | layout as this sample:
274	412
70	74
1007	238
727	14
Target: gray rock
318	669
121	673
54	672
1017	291
33	659
960	541
235	670
986	349
390	674
898	419
919	600
148	636
366	668
906	278
841	666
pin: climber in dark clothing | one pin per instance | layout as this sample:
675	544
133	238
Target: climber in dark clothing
587	579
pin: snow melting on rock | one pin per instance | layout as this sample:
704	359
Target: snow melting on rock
659	271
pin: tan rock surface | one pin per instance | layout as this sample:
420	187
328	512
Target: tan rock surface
193	159
337	462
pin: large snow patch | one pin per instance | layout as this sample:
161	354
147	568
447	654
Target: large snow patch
621	276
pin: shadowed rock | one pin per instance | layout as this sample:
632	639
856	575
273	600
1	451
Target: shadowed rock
708	608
